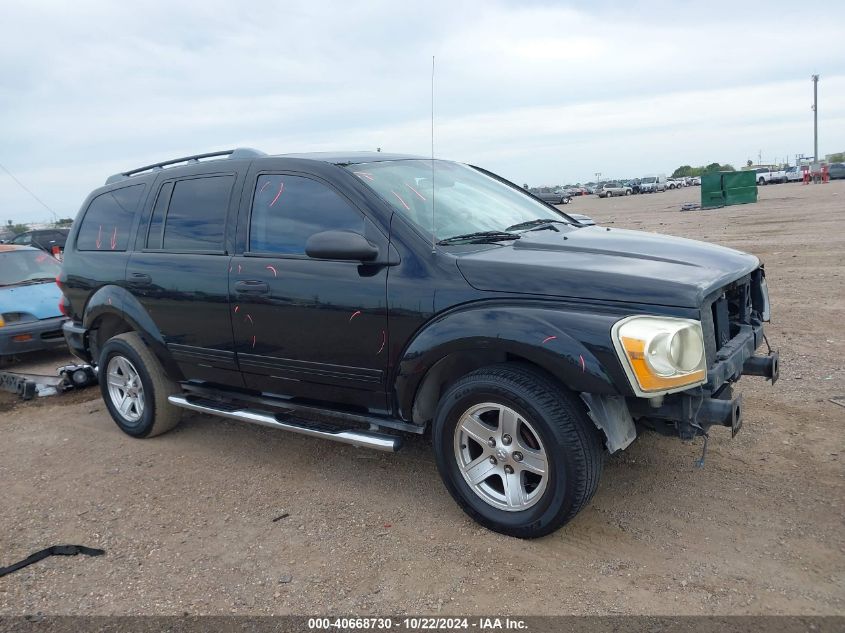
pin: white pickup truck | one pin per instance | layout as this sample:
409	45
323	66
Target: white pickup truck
768	176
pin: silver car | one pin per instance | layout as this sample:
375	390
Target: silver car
610	189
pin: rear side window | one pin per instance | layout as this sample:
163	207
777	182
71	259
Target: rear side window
287	210
156	229
196	215
107	222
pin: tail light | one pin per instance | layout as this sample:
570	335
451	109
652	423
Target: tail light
64	306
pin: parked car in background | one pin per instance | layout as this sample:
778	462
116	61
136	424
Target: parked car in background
45	239
836	171
558	196
676	183
768	176
695	181
653	184
610	189
635	185
795	173
30	319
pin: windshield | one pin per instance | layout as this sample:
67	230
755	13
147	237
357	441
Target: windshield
648	180
23	266
465	199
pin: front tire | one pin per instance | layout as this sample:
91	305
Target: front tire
135	387
516	451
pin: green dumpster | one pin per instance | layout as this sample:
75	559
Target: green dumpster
724	188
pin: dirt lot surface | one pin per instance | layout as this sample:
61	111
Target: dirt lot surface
187	519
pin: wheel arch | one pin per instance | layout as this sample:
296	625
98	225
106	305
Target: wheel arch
113	310
449	347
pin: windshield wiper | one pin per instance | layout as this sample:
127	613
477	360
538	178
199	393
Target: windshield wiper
479	237
37	280
532	223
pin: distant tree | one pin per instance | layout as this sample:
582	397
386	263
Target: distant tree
749	162
712	168
683	171
525	186
64	222
838	157
727	167
17	229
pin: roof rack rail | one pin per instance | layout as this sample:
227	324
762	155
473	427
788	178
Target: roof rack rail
239	152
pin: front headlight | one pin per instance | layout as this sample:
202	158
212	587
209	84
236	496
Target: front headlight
660	354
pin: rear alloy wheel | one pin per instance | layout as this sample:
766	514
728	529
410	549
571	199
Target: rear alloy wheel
126	390
135	387
516	451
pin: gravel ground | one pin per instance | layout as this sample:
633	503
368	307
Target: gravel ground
187	519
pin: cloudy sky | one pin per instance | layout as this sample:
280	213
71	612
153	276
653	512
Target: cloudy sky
540	92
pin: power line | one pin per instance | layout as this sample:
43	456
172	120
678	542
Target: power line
25	188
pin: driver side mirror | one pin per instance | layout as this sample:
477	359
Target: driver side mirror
345	245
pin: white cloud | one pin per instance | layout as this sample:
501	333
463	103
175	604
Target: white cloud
542	93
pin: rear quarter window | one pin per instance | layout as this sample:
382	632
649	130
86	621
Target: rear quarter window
108	220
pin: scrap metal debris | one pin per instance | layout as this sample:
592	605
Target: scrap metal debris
27	386
55	550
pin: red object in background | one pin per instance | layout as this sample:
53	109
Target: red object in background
806	179
57	252
825	174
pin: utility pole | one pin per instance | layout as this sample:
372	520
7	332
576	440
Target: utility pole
815	79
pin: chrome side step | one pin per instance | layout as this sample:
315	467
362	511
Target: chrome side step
367	439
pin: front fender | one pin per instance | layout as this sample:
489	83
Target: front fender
119	302
571	342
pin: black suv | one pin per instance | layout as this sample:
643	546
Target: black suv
45	239
360	296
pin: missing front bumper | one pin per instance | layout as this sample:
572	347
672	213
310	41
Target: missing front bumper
688	415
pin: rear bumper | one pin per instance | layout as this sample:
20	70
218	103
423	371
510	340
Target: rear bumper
693	412
31	336
76	337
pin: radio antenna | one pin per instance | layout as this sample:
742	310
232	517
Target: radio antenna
433	227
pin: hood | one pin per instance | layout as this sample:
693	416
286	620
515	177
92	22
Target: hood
607	265
40	300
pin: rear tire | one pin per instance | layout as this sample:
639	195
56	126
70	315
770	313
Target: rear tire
532	425
135	387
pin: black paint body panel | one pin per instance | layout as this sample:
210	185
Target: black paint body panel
362	336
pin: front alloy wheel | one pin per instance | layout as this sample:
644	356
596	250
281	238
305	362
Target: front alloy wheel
516	450
501	457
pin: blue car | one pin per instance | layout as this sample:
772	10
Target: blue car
30	317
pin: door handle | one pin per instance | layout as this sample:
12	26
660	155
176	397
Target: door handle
252	286
140	279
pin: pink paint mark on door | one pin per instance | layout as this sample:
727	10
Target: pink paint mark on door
281	188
